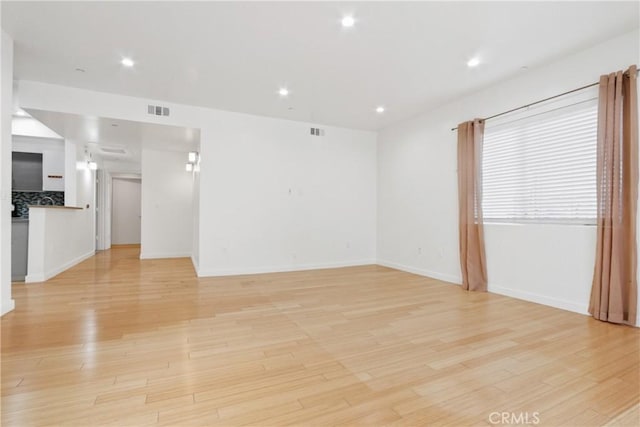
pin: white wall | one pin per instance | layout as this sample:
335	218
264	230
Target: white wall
125	211
61	238
121	167
28	126
48	227
27	144
6	111
195	245
275	198
417	191
71	167
248	220
167	205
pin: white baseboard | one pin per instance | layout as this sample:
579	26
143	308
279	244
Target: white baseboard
7	307
539	299
160	255
422	272
282	269
196	267
496	289
44	276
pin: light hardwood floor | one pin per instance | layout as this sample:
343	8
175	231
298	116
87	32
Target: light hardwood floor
120	341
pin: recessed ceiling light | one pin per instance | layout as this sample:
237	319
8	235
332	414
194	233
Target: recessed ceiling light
380	109
127	62
348	21
283	91
473	62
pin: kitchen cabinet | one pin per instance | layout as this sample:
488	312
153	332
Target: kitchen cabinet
38	171
53	170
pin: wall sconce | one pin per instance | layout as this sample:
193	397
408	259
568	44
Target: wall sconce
194	160
91	165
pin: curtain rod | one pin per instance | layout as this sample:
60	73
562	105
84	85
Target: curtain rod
544	100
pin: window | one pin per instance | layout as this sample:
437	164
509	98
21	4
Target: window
542	168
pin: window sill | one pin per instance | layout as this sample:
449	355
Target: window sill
524	223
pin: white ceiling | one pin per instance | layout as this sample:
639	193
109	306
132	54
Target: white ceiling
407	56
100	133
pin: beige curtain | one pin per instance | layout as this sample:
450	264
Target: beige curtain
614	290
472	257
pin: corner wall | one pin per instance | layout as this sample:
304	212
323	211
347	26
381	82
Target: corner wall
6	111
167	205
417	191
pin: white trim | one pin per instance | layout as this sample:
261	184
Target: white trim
496	289
456	280
7	307
103	210
125	175
196	267
283	269
539	299
26	138
160	255
34	278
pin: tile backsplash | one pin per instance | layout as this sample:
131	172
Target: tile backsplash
22	199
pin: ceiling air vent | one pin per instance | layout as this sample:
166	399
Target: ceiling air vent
317	132
157	110
113	150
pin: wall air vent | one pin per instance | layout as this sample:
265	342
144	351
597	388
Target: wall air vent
317	132
157	110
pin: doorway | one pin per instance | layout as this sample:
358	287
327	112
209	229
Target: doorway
126	211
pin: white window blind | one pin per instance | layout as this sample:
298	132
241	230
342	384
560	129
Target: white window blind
542	168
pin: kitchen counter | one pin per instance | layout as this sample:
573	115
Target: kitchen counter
59	238
53	207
